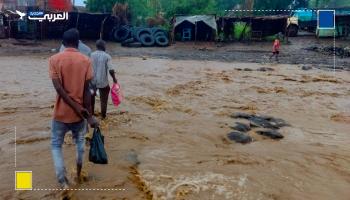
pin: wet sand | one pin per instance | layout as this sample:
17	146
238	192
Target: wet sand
168	138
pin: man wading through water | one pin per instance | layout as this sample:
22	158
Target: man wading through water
71	73
102	66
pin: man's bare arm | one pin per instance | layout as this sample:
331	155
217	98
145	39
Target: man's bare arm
66	98
87	98
87	105
112	73
111	70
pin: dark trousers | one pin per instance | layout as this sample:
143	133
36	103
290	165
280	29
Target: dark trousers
104	93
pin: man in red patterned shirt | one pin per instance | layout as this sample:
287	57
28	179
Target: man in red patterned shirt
276	49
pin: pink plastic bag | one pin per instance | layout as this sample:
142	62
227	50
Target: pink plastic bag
116	94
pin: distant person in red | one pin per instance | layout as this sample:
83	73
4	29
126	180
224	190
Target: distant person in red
276	49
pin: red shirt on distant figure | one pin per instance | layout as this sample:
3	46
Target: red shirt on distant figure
276	46
276	49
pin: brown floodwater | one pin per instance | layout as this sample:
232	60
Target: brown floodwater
168	138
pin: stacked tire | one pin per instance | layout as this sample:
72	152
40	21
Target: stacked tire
140	37
161	37
121	34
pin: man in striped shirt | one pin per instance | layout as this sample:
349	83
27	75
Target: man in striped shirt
101	62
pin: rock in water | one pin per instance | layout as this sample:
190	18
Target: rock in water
273	134
239	137
266	117
265	69
306	68
261	122
278	122
241	127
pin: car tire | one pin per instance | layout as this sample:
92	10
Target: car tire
162	41
122	34
147	40
140	32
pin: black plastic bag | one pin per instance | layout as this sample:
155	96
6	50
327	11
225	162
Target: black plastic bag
97	152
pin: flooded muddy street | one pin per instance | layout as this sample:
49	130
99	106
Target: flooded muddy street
168	139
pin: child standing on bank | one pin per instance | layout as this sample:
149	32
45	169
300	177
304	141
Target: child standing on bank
276	49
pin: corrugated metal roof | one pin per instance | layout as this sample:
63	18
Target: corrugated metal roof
207	19
269	17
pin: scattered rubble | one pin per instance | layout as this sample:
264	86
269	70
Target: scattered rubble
330	50
239	137
273	134
260	124
261	69
306	68
242	127
265	69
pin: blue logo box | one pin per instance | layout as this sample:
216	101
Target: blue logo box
326	19
36	13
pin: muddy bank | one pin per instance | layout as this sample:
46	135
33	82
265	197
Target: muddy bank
253	52
168	140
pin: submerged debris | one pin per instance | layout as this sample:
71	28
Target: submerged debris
265	69
330	50
306	68
241	127
261	120
261	124
239	137
273	134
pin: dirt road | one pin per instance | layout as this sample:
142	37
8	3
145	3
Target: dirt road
168	138
252	52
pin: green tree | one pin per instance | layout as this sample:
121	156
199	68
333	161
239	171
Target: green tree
104	6
301	4
223	5
272	4
329	3
140	9
189	7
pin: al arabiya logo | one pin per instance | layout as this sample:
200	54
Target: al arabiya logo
41	16
21	14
